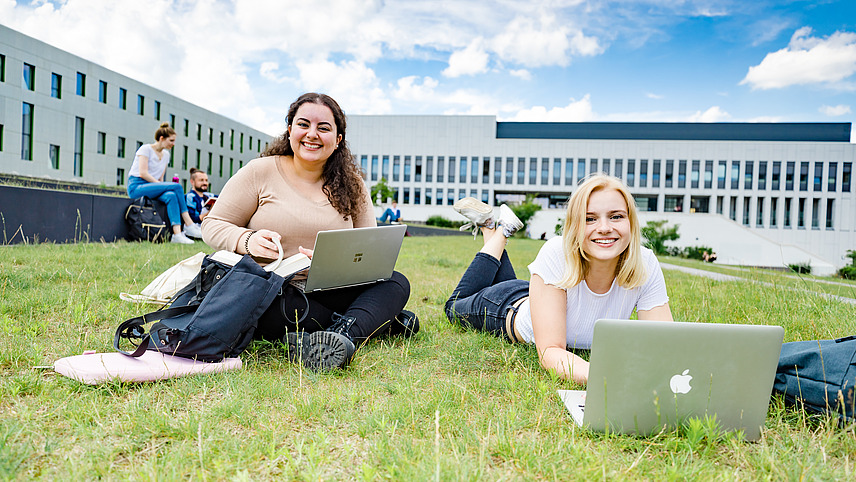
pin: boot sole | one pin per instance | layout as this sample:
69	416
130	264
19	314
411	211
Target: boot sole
320	351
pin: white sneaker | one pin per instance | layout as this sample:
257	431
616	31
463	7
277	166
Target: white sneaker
193	231
479	214
509	221
180	238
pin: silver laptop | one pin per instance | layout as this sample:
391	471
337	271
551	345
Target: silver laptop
352	257
647	375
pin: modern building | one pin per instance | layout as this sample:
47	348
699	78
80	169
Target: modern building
789	184
65	118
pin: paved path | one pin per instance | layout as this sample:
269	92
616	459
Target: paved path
727	277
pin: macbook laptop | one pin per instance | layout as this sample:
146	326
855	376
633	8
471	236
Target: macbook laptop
352	257
647	375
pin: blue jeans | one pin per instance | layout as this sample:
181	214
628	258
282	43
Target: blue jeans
390	215
485	293
169	193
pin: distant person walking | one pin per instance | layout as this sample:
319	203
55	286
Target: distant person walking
146	179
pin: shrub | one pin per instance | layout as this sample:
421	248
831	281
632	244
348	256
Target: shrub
656	235
442	222
800	268
847	272
696	252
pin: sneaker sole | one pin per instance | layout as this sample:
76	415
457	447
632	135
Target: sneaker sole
507	218
474	210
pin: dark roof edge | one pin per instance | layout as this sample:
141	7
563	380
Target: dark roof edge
678	131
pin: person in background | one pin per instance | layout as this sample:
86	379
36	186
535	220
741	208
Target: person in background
308	182
199	200
596	269
392	214
146	179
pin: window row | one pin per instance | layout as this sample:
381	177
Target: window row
29	83
817	176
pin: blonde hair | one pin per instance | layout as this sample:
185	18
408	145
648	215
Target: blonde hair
630	271
164	131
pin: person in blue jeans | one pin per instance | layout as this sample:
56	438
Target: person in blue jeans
392	214
146	179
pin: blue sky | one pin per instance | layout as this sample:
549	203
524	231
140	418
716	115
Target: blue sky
552	60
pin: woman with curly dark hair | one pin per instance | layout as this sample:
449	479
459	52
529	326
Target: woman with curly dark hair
306	182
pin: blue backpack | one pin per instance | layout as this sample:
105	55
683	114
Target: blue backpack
819	375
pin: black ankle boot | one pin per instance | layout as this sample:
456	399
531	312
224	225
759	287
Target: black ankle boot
405	324
320	351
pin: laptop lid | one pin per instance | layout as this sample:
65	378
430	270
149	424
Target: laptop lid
351	257
646	375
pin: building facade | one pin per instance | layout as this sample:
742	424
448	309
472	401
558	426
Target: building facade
65	118
791	183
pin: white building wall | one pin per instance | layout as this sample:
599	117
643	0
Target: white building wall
54	120
468	136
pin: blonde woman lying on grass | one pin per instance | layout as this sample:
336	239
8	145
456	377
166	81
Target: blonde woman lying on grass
596	269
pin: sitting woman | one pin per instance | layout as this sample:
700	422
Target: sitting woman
596	269
308	182
146	179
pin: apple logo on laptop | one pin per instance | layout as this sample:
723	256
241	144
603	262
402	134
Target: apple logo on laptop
681	383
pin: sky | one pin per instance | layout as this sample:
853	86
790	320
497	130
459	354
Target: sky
520	60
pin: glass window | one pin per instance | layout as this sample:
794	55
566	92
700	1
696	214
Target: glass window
120	176
581	170
439	200
497	170
429	173
801	213
777	174
569	171
417	171
788	203
557	171
102	93
720	174
509	169
732	209
485	170
27	132
56	86
374	168
774	204
462	172
417	196
643	173
735	175
384	167
396	168
441	169
682	174
101	145
219	167
451	163
708	174
123	99
619	171
845	177
803	176
696	174
158	114
222	136
655	174
818	176
54	155
789	176
748	176
240	141
2	68
746	204
199	134
184	160
831	176
210	161
29	76
81	84
407	168
815	214
120	148
429	196
631	172
521	170
198	158
830	211
231	139
762	175
533	170
474	169
759	213
364	165
78	146
211	135
670	165
605	166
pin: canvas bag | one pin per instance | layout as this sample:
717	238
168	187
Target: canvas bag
166	285
213	318
819	375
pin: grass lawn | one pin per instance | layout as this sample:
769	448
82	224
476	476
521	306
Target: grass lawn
447	404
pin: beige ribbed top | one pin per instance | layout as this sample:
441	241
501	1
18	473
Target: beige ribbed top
260	196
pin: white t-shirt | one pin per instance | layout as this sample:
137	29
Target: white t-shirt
584	306
156	166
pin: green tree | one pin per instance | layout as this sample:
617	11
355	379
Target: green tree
526	210
656	234
381	192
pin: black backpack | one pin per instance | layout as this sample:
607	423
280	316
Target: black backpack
212	318
819	375
146	220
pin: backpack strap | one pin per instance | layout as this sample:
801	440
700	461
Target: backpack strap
133	329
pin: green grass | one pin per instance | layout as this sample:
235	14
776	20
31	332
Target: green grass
448	404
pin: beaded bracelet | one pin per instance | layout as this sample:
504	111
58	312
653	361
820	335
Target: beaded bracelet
247	242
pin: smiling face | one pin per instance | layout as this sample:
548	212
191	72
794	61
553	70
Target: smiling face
167	142
312	133
607	229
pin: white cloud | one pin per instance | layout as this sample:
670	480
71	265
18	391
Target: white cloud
835	111
268	70
575	111
469	61
521	74
654	96
410	91
806	60
714	114
530	43
351	83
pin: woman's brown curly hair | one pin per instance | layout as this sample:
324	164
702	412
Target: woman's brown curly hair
343	180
